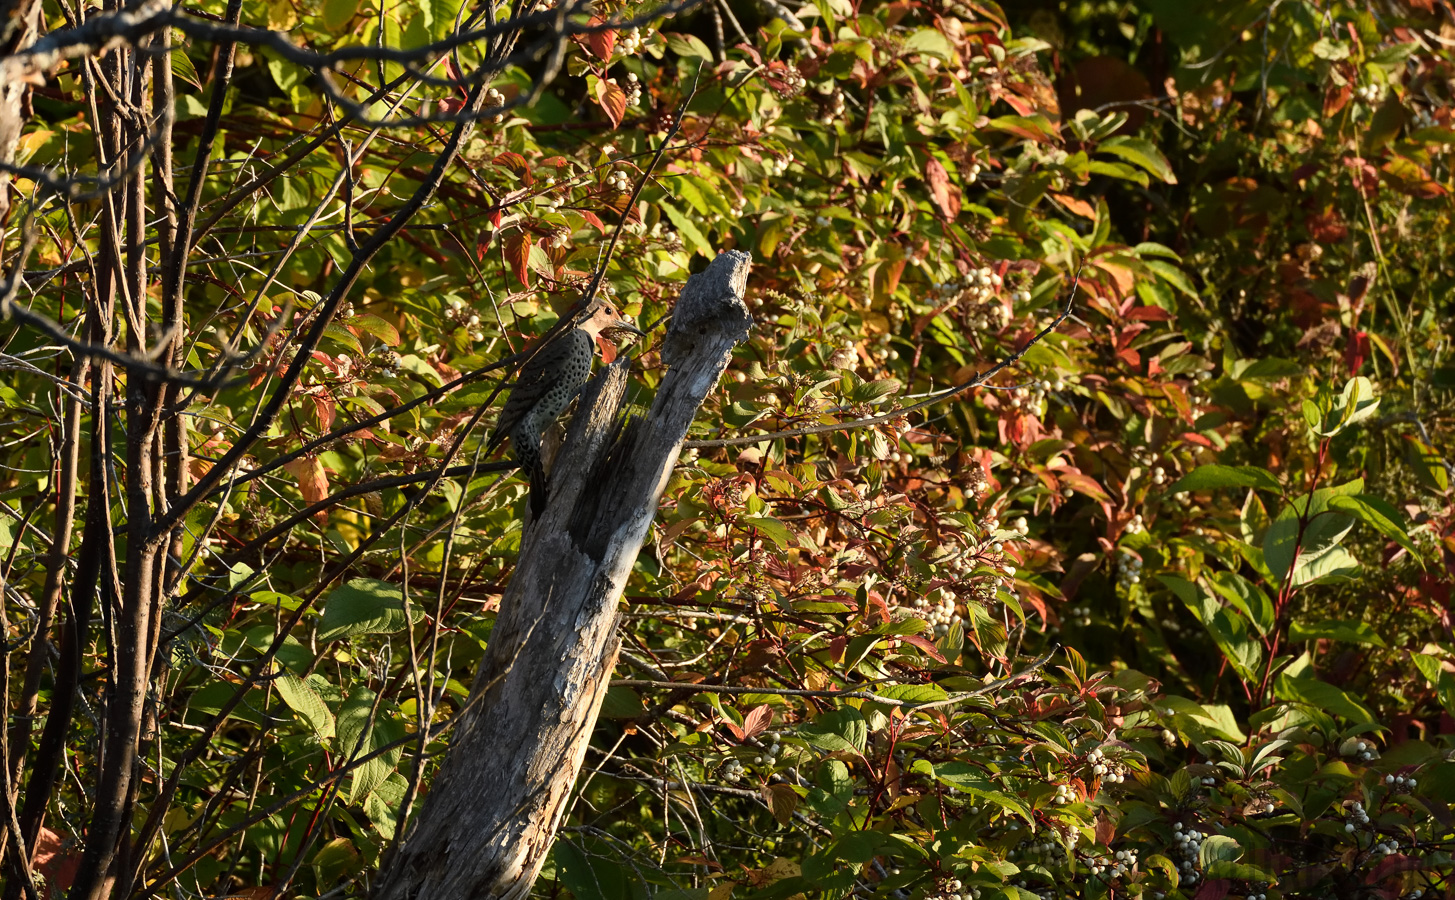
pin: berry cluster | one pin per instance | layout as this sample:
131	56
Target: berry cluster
1122	862
1362	749
1064	794
633	89
1129	566
769	754
630	42
942	612
787	84
665	234
494	100
1189	845
386	360
1357	816
1401	782
1370	93
833	103
618	180
1033	399
953	889
779	164
972	174
1108	770
462	315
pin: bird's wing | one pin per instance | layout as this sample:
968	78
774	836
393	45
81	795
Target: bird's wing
536	378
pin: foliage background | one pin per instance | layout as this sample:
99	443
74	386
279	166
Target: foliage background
1166	611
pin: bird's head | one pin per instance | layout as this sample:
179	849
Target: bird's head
603	316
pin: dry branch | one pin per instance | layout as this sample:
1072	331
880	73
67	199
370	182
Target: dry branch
498	799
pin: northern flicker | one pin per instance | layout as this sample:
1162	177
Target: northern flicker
546	384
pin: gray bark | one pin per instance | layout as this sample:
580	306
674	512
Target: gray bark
495	805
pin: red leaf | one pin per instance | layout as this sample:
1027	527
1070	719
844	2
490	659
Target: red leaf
1149	314
612	99
517	164
1216	889
940	188
51	858
736	731
594	219
482	243
600	43
456	76
517	253
757	721
924	644
1356	351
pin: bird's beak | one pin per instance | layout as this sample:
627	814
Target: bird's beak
624	325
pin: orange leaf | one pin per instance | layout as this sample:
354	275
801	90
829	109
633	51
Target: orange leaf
1077	207
312	480
612	99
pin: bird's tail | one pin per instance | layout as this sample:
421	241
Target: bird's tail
539	493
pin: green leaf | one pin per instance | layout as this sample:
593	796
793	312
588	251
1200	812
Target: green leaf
337	13
1322	695
182	68
689	45
773	529
1219	848
1240	871
383	804
1429	667
591	876
930	42
1322	532
1355	404
1140	152
363	606
372	324
358	736
305	701
1247	597
688	229
1377	514
971	780
341	334
1428	465
1335	629
838	731
1214	476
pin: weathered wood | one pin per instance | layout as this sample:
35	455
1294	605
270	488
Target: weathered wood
19	27
495	805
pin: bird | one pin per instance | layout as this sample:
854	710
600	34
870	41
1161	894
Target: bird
547	382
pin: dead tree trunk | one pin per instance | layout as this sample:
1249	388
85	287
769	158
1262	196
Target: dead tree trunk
497	801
